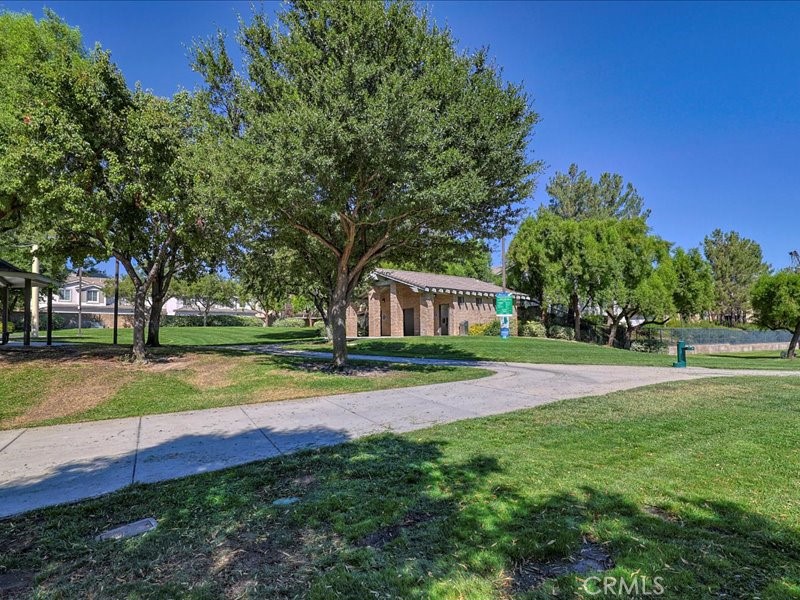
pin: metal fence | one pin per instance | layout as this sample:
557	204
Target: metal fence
711	335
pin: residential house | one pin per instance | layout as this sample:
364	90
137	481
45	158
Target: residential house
97	309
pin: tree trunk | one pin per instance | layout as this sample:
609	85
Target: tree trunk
612	331
205	318
576	311
792	352
138	323
337	320
156	303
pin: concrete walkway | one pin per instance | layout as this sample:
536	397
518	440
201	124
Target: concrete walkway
45	466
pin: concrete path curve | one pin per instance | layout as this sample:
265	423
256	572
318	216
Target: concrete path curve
45	466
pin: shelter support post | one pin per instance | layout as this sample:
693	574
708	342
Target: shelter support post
5	302
26	323
49	316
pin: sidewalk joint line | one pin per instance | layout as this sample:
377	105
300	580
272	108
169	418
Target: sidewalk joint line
13	440
249	418
136	450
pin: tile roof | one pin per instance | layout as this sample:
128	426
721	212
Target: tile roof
98	281
431	282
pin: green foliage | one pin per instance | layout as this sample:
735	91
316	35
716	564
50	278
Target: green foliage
559	332
212	321
290	322
694	289
533	329
776	300
367	136
473	259
574	195
649	345
477	329
206	292
127	291
492	328
736	264
558	260
43	67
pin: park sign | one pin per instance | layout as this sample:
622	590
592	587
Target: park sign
504	306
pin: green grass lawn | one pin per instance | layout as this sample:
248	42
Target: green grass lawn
196	336
515	349
538	350
89	383
694	483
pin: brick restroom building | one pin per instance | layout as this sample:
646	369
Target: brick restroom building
408	303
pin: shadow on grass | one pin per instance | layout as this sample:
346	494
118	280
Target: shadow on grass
428	349
389	517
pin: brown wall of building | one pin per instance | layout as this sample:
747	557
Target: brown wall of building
386	305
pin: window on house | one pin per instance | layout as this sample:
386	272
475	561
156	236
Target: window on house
92	296
478	301
65	295
461	302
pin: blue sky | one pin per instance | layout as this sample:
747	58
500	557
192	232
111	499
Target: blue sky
696	104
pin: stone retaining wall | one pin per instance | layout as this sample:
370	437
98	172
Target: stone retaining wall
723	348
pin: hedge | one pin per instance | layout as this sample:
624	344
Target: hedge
213	321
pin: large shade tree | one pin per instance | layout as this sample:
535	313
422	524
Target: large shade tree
61	109
562	261
641	282
367	136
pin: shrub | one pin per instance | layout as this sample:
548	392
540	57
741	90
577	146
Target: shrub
649	345
213	321
477	328
559	332
319	326
533	329
289	322
492	329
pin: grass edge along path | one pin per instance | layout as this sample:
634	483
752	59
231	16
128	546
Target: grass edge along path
84	389
693	483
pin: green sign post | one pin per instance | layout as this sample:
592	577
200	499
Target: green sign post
504	306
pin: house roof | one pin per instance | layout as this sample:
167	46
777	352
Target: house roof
14	277
433	282
72	279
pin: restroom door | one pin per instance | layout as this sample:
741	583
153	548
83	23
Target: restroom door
408	322
444	319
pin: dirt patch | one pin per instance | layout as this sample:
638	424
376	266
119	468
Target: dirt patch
591	557
349	370
82	381
304	481
213	372
379	538
660	513
15	584
79	390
